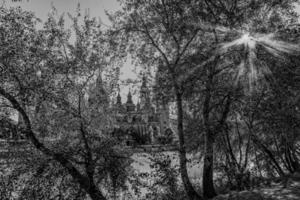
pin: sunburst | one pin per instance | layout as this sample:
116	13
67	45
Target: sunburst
250	66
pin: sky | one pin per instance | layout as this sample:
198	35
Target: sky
42	7
96	9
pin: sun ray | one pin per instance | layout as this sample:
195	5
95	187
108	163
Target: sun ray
250	65
251	68
240	71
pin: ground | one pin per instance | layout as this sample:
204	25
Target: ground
277	191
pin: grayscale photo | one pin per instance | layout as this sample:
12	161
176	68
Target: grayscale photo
149	99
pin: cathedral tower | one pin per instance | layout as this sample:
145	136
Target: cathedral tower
145	95
119	100
164	118
129	104
98	99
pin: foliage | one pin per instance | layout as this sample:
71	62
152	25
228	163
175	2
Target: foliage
230	66
51	81
164	178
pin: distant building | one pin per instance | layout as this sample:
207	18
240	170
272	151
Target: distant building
146	122
143	123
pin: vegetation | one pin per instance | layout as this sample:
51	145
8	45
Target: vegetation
44	79
231	67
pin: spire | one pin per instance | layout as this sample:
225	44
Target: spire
100	87
144	94
129	104
119	99
98	95
129	97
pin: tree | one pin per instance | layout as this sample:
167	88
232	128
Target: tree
238	16
46	80
175	36
162	34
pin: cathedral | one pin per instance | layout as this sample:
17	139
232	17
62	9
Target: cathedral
143	123
146	122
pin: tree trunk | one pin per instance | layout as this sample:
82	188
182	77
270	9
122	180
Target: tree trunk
94	193
207	181
229	150
288	160
86	183
270	155
296	163
192	194
292	160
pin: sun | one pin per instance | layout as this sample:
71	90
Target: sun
250	66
